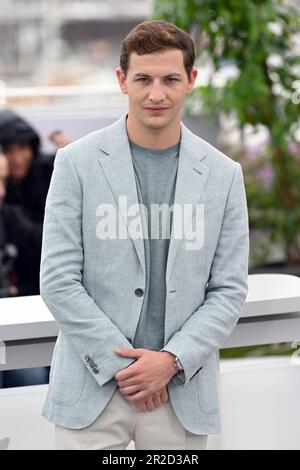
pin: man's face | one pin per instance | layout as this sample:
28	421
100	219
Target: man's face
3	176
156	85
19	158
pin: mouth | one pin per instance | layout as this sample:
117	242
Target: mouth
156	110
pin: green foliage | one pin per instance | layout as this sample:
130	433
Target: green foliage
284	349
256	37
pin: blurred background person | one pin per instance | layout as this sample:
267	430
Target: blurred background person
26	186
7	252
29	170
26	175
20	245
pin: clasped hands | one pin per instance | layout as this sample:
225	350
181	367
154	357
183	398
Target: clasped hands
144	382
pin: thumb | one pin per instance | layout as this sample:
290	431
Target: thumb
128	352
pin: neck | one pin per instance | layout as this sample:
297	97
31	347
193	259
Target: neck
150	137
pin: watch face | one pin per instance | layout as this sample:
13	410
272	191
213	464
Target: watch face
179	365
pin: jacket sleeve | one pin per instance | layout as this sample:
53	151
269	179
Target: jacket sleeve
90	331
210	325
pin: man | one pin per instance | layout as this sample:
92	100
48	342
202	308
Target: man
142	317
27	184
7	252
29	170
20	245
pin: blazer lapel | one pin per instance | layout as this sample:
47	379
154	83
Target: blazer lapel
116	162
192	176
117	166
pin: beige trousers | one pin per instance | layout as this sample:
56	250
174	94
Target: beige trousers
120	423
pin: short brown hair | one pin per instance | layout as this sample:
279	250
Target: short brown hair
157	35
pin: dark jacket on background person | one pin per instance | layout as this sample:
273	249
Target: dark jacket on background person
17	230
31	192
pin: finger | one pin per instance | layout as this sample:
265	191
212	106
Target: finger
141	406
130	390
150	404
164	395
129	382
125	374
142	395
129	352
157	401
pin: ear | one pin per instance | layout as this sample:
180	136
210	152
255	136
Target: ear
122	80
192	79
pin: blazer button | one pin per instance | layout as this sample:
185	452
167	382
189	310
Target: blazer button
87	358
96	370
139	292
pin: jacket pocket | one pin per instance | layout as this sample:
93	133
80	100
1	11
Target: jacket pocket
207	387
68	374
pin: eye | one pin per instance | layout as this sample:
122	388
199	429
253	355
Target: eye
143	79
171	79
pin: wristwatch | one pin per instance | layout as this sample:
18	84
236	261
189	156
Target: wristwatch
178	365
179	377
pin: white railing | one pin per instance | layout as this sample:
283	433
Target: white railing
259	398
75	98
61	91
271	315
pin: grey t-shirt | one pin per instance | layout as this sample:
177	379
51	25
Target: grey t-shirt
155	174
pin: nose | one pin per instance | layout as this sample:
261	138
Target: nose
156	94
18	158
